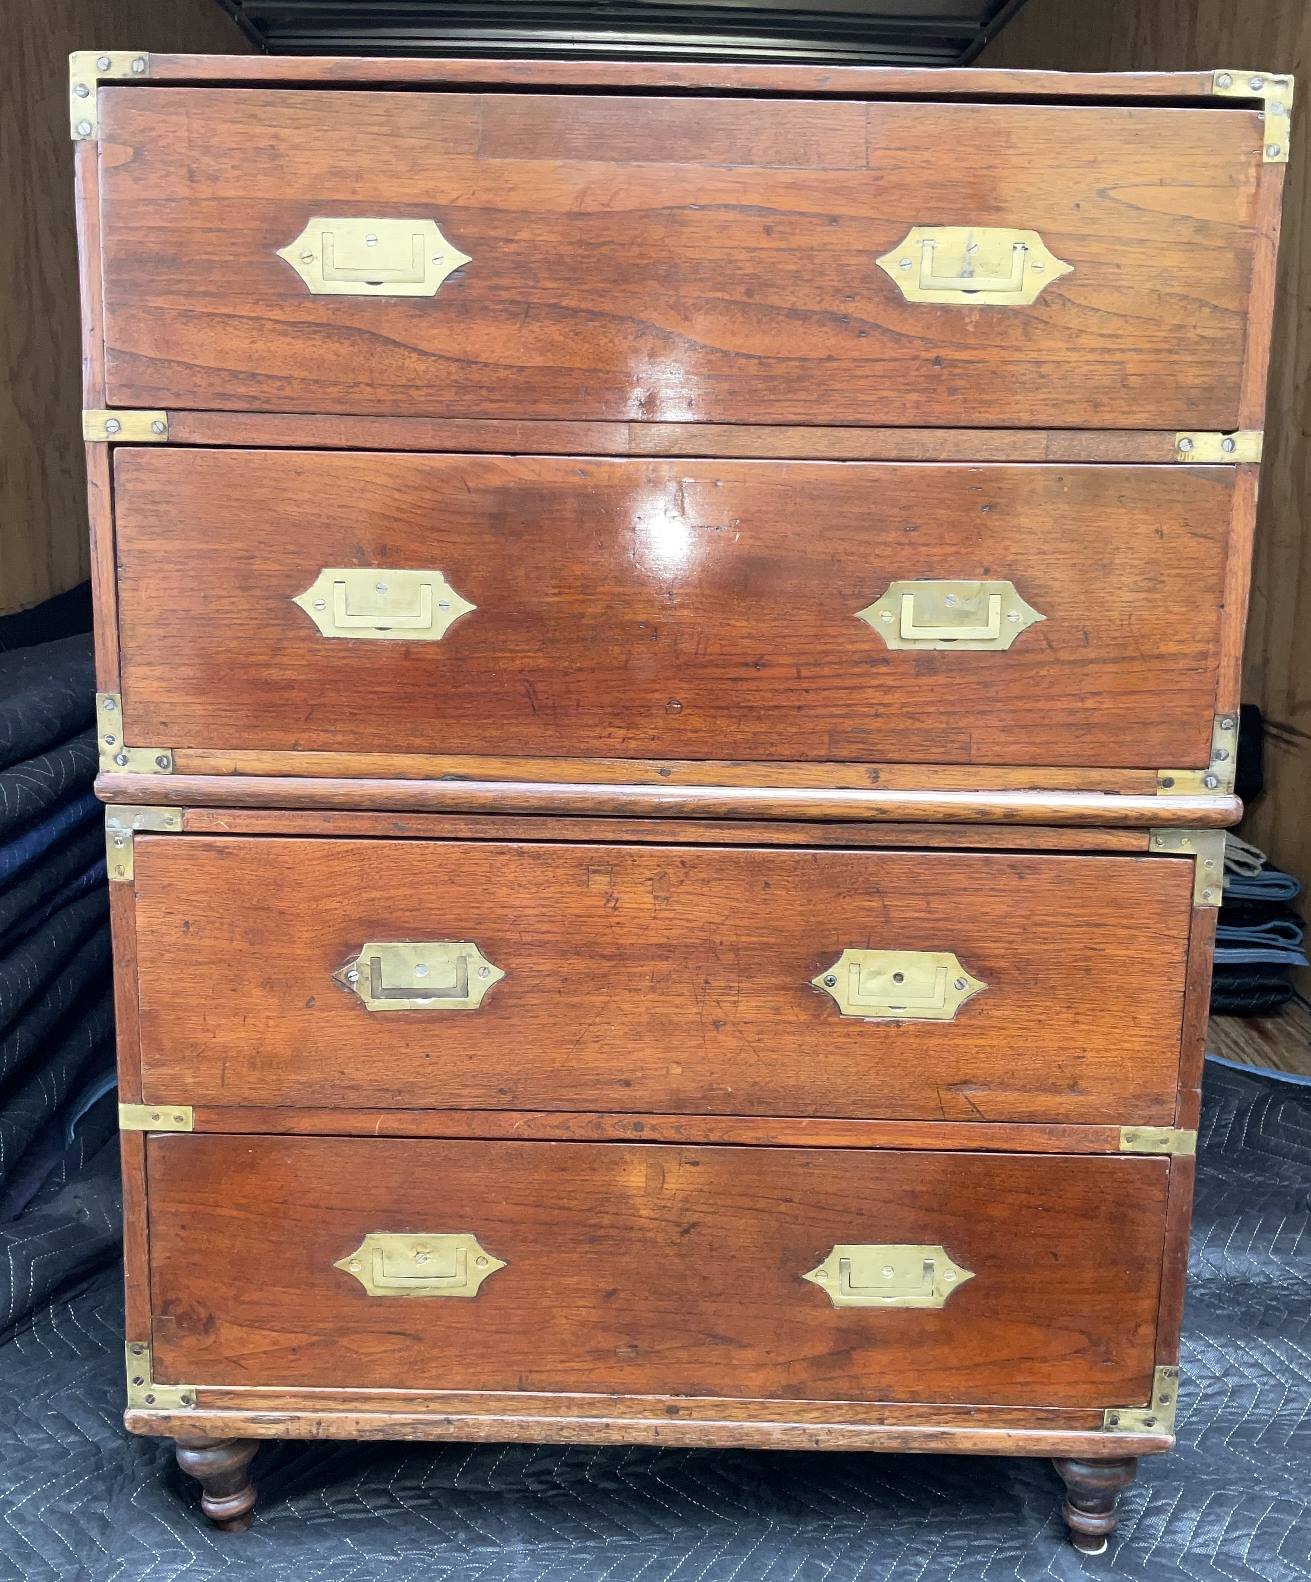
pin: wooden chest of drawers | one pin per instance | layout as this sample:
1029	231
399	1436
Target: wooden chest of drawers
669	649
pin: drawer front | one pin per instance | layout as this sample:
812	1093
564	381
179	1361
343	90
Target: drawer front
660	979
677	259
748	610
349	1263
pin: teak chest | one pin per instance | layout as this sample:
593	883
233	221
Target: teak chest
669	642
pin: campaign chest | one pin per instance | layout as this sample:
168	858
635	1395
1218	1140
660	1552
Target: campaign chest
669	650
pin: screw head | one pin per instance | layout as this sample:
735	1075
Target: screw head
307	258
421	971
481	1262
1224	80
830	981
161	760
484	972
959	984
110	741
81	90
1185	443
904	264
1273	150
352	976
1256	84
1210	781
320	604
139	64
103	63
370	240
1228	444
1226	722
112	425
109	705
120	759
84	129
158	427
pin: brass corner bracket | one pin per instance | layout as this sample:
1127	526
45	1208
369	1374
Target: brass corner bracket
115	755
121	425
141	1387
87	69
1275	91
1218	776
1157	1417
156	1118
122	822
1208	847
1174	1141
1204	446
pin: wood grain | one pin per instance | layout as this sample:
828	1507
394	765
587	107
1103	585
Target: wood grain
273	1418
672	609
663	979
1051	809
300	430
405	826
679	259
1275	35
655	1270
43	549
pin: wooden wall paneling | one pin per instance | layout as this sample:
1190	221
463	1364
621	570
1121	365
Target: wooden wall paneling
1272	35
43	539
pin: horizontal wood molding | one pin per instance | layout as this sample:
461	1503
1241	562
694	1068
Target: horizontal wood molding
735	802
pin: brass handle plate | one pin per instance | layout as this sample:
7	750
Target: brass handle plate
972	265
975	616
420	975
380	602
393	1263
898	985
885	1274
339	256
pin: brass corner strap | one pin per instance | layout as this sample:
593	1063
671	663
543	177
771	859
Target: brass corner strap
122	425
1218	776
1157	1417
115	754
156	1118
1207	846
87	69
141	1387
1175	1141
1275	91
122	822
1242	445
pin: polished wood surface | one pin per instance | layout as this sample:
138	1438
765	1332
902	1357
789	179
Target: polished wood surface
680	259
799	442
1051	809
680	609
406	826
661	978
646	1269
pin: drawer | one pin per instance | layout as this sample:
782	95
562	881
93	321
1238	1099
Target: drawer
365	1263
373	603
677	258
630	978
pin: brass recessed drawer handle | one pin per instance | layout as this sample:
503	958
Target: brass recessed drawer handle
393	1263
382	602
420	975
898	985
972	266
974	616
353	256
888	1274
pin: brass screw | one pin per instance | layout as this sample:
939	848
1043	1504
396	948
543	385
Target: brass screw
104	63
112	425
157	427
1224	80
139	64
84	129
81	90
162	761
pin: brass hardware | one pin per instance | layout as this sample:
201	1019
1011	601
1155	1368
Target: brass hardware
87	68
977	616
1276	95
156	1118
380	602
352	257
141	1387
1243	445
420	975
977	265
115	755
118	425
122	822
898	985
874	1274
1208	847
1218	776
1175	1141
1157	1417
389	1263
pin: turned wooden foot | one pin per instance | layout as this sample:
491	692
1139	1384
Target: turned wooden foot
1091	1490
222	1468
